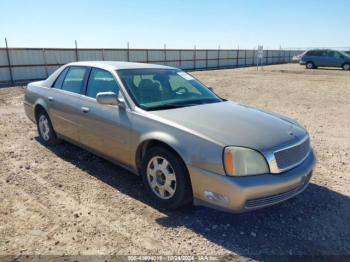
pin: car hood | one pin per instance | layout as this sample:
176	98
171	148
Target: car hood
229	123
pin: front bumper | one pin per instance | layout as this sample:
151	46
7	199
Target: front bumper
240	194
302	62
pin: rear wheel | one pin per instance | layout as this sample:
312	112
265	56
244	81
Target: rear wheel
310	65
46	132
346	66
166	178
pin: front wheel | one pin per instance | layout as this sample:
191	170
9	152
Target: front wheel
310	65
46	132
166	178
346	67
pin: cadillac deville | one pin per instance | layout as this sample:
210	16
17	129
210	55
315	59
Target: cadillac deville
189	145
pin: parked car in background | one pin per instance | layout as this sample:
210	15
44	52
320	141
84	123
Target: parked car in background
325	58
297	58
189	145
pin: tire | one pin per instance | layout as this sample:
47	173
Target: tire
346	66
46	132
310	65
166	178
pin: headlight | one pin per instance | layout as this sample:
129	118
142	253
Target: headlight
240	161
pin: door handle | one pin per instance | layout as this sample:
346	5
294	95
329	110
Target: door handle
50	98
85	109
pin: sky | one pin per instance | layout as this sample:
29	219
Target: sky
176	23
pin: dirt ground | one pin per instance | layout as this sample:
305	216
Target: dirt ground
64	200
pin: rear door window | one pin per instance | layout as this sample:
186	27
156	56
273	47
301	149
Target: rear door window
74	79
323	53
317	53
101	81
310	53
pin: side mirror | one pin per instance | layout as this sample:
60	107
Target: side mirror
110	98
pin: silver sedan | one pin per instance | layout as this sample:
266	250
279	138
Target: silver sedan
189	145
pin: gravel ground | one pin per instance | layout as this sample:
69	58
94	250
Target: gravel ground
64	200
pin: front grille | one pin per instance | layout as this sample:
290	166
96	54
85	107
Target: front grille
270	200
292	155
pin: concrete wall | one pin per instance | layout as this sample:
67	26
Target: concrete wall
22	65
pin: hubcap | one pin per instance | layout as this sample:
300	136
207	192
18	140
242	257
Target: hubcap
309	65
161	177
347	67
44	127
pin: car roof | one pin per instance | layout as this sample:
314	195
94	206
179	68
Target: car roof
117	65
320	49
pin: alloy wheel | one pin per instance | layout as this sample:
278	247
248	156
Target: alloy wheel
161	177
309	65
44	127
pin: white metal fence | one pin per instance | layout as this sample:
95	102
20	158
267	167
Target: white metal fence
21	65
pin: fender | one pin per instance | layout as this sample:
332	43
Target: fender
168	139
43	103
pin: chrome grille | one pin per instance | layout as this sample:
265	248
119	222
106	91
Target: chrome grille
291	156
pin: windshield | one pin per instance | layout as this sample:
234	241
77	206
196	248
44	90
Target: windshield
156	89
344	53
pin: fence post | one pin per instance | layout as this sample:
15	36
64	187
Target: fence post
245	57
194	58
128	52
206	59
9	62
237	56
180	58
103	54
284	56
147	56
218	64
267	57
290	54
165	56
253	63
45	63
76	51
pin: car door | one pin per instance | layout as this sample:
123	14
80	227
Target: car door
336	59
104	128
64	101
320	58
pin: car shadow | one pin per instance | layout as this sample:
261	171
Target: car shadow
313	223
329	69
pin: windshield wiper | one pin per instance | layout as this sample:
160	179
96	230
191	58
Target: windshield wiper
169	106
185	104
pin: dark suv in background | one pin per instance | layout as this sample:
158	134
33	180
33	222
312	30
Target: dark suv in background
326	58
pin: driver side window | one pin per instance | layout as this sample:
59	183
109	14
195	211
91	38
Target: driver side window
334	54
101	81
